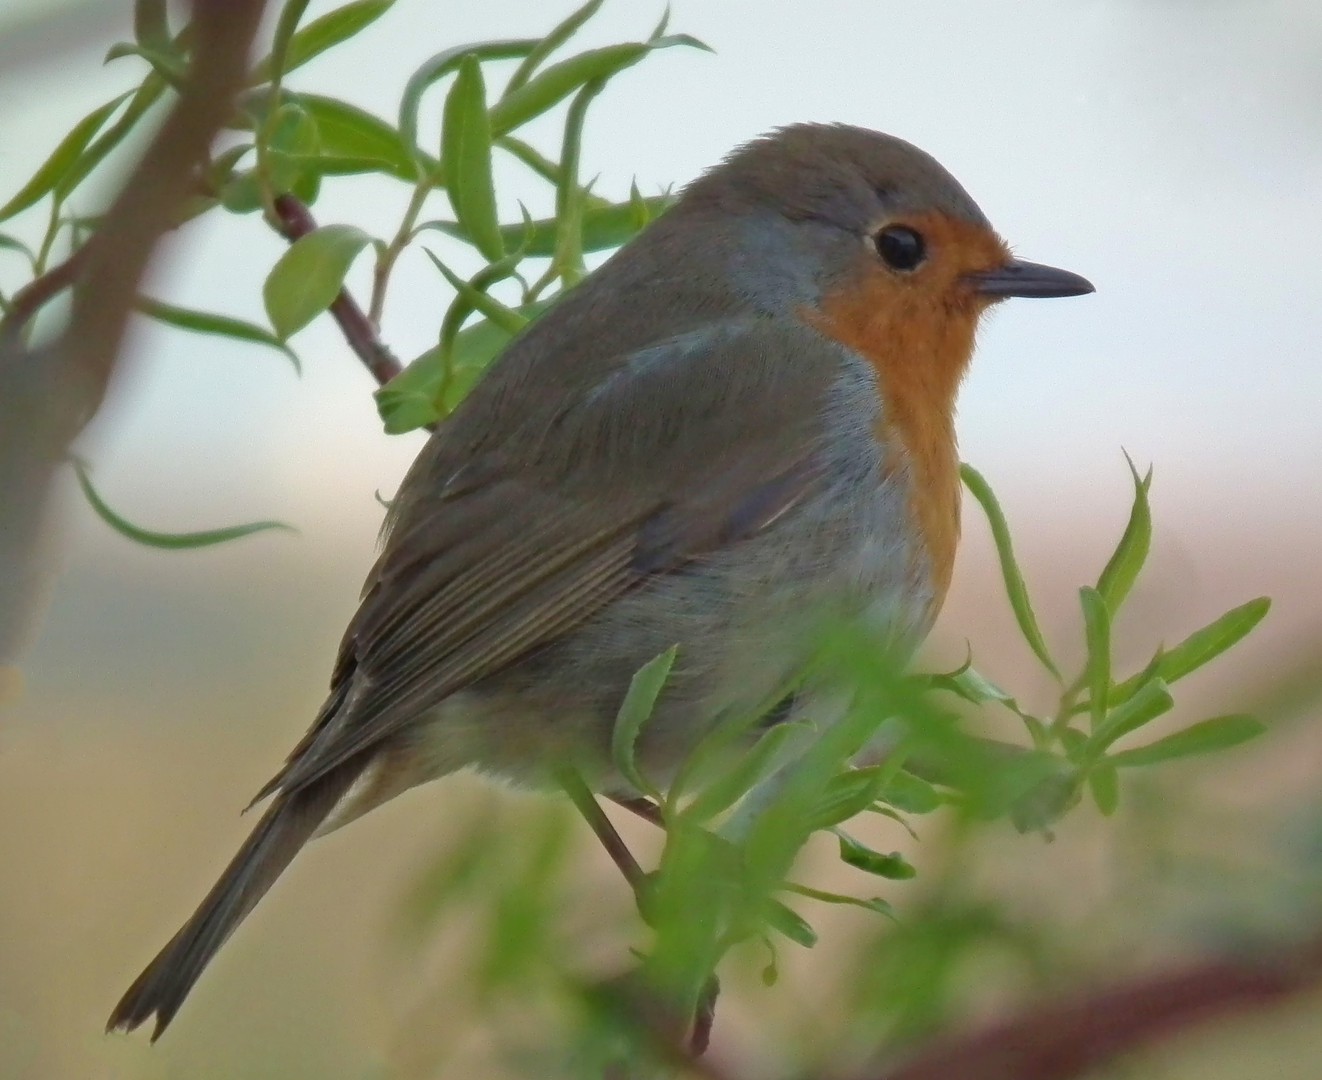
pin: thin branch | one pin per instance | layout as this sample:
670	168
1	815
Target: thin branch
296	220
35	295
48	395
1064	1040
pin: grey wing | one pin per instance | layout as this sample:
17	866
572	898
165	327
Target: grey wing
681	451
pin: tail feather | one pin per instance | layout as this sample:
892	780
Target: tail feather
282	831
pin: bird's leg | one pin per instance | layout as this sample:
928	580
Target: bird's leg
644	808
699	1034
586	804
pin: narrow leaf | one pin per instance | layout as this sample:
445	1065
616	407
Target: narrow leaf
306	279
13	243
557	37
1014	580
1122	569
787	921
776	746
1150	701
168	541
285	28
149	92
910	793
603	227
893	866
846	795
1209	736
206	322
466	156
321	34
170	66
1200	647
635	711
349	132
569	197
546	90
1104	785
422	394
874	904
1097	635
506	317
440	65
62	158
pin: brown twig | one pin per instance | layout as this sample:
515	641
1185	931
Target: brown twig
296	220
1065	1039
48	395
35	295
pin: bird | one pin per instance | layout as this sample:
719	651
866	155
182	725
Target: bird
741	422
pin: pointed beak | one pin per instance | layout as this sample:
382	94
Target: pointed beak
1020	278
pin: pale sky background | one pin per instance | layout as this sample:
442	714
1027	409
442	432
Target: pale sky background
1170	150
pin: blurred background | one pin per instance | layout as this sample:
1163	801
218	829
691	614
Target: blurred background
1170	151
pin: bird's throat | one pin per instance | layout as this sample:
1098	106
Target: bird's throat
920	350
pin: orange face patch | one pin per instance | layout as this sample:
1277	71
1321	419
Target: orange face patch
917	331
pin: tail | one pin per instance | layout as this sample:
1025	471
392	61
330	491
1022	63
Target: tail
285	827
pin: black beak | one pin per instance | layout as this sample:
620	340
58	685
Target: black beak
1019	278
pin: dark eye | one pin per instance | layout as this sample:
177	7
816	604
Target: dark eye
900	247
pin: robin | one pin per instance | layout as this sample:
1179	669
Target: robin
742	421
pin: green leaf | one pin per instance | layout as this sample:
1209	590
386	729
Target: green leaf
170	66
1200	647
1097	634
604	227
168	541
285	28
1104	785
1209	736
13	243
875	903
147	95
776	746
292	142
349	132
569	197
421	394
320	34
557	37
910	793
893	866
1122	569
436	69
205	322
785	920
1148	702
466	155
306	279
1014	580
644	688
546	90
507	318
62	158
848	794
970	685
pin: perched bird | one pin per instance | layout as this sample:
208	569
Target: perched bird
742	421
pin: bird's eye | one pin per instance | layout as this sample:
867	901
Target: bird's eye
900	247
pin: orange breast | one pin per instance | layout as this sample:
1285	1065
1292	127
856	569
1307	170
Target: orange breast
920	349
